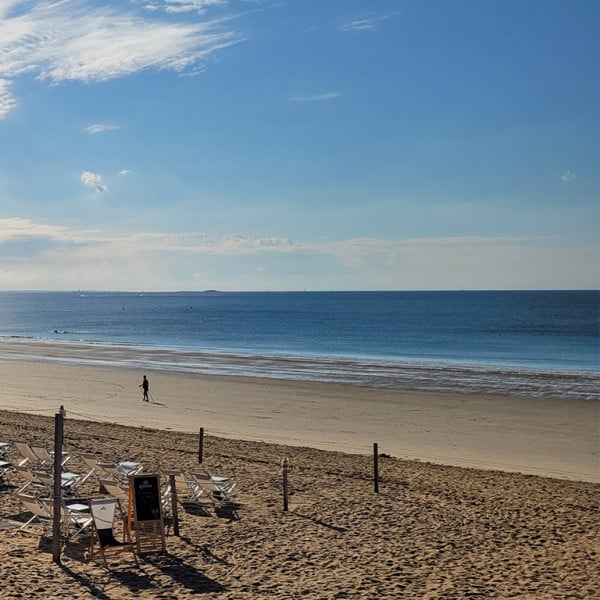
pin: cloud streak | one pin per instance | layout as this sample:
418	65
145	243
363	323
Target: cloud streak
366	23
33	253
100	128
73	40
318	97
182	6
7	100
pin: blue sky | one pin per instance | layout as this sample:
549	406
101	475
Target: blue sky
299	144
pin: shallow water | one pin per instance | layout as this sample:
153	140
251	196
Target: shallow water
517	343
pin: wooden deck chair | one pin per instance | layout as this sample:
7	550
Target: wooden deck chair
103	543
38	511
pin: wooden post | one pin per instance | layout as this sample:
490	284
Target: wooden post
174	504
201	445
56	517
376	467
285	464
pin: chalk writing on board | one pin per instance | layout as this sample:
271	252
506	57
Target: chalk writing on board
147	498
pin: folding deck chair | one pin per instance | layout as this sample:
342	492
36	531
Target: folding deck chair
103	543
27	454
4	450
4	468
220	490
91	461
76	518
118	491
38	511
46	458
119	471
188	490
68	480
31	479
107	470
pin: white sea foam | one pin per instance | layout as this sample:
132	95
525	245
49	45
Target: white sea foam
434	377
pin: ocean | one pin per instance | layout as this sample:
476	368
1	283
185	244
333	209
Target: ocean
535	343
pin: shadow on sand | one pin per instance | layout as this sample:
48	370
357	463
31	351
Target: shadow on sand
320	522
136	579
184	574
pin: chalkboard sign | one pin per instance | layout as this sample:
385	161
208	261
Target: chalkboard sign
146	497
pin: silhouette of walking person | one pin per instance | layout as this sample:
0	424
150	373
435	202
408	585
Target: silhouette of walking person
145	385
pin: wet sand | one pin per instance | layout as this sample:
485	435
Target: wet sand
545	436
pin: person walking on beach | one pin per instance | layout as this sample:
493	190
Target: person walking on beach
145	385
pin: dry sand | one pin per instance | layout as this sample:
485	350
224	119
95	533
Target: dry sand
432	531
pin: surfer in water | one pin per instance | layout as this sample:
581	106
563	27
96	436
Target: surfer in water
145	385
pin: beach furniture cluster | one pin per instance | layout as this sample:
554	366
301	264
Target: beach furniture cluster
92	499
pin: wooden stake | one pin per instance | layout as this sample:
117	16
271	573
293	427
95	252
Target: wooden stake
285	464
376	467
201	445
174	504
58	441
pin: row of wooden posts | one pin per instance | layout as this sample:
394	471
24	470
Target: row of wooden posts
58	445
285	467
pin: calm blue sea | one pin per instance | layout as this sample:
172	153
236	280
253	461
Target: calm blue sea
534	343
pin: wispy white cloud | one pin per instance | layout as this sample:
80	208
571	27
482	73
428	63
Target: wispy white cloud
236	244
362	251
318	97
17	228
568	176
125	172
100	128
189	243
7	100
37	256
75	40
182	6
366	23
93	181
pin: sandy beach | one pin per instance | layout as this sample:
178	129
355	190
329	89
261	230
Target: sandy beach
544	436
436	529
